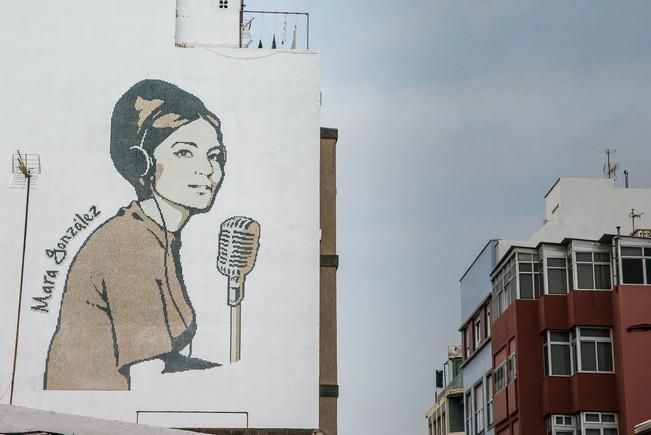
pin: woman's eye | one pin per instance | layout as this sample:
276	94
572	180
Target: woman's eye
214	157
183	153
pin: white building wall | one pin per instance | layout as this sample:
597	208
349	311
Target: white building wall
64	64
584	208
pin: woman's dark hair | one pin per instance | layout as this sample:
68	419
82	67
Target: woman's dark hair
144	117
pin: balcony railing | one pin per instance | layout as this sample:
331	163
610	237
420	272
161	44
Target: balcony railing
270	29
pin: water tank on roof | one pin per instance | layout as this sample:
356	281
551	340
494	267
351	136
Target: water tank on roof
208	23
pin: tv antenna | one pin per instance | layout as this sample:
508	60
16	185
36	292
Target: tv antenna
610	169
634	216
25	170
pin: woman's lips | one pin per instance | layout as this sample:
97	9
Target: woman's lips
201	187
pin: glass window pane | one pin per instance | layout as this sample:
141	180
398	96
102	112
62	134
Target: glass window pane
610	431
512	291
556	262
525	267
584	256
537	285
648	270
588	359
595	332
522	256
627	250
526	286
545	351
584	276
559	419
602	276
647	252
632	271
608	418
593	432
559	336
602	257
592	417
557	281
561	359
605	357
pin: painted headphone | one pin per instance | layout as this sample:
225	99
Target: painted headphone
148	163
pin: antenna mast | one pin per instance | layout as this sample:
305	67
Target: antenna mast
634	216
25	169
610	170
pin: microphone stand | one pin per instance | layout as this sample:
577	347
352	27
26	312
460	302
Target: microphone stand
235	297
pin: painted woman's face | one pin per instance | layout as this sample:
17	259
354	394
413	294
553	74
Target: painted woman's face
187	166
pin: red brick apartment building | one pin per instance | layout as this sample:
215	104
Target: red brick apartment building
571	337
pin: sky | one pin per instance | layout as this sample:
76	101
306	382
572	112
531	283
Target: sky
455	117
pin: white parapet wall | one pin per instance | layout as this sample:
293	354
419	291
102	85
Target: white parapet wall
208	23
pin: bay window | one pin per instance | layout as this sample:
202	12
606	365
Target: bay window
558	353
593	270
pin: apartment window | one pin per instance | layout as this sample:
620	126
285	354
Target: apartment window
529	276
511	368
479	408
558	424
504	288
488	320
468	414
468	340
556	276
489	399
636	265
598	423
501	377
593	270
477	332
558	353
593	349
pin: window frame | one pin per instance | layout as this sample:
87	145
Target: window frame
554	428
488	310
500	377
489	399
646	274
478	407
511	367
577	338
555	256
597	425
547	352
477	331
534	274
469	414
593	263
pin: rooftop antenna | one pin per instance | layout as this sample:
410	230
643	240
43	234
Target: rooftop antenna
25	169
610	169
634	216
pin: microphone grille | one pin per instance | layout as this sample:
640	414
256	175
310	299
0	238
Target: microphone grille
239	240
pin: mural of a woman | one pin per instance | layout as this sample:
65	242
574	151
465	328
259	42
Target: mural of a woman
125	300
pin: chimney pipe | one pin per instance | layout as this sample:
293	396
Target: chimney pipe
626	177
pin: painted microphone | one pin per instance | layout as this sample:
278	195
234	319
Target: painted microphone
239	240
